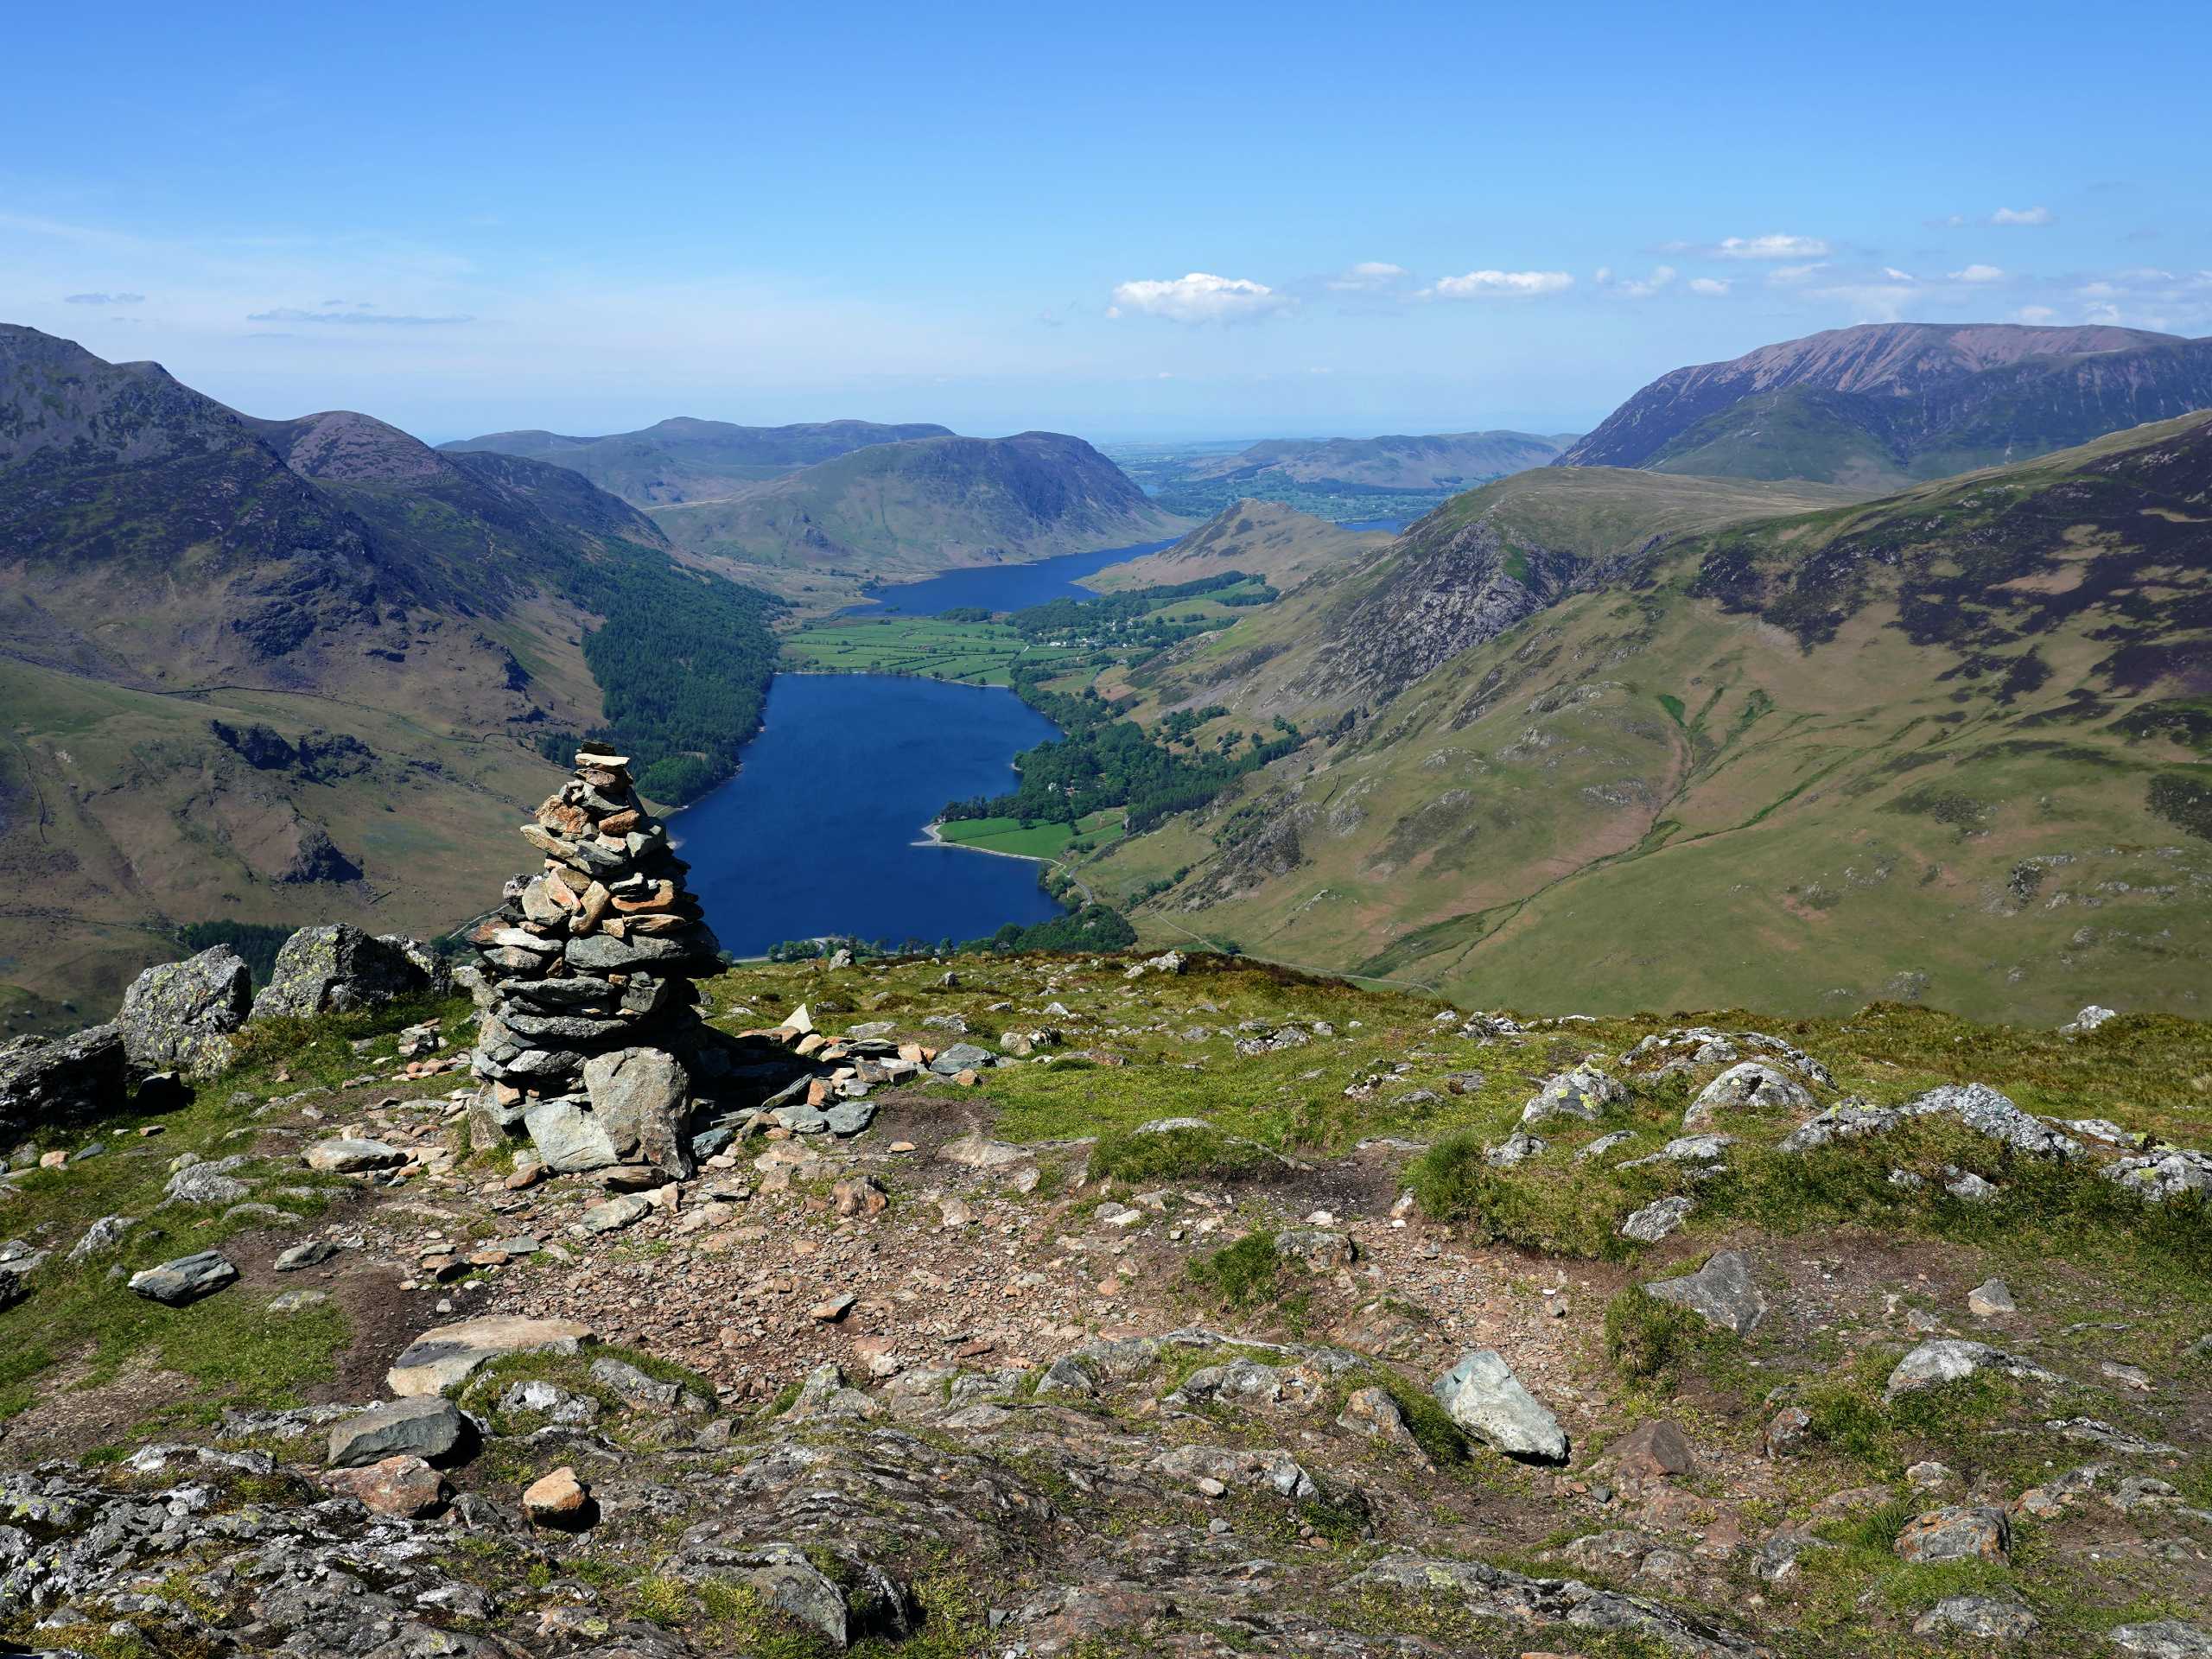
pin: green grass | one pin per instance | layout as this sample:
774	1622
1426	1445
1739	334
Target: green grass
1038	841
975	653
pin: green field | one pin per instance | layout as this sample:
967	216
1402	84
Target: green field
976	653
1044	841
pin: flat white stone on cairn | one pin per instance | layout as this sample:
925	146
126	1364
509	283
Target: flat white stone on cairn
589	1038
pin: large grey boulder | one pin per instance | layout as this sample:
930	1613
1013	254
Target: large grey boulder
46	1080
185	1279
1985	1618
337	968
1976	1105
180	1014
1720	1293
641	1099
1483	1397
429	1428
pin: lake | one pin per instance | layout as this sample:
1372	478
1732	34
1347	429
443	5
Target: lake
999	586
816	833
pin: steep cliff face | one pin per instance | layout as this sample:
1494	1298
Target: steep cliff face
1892	403
1451	588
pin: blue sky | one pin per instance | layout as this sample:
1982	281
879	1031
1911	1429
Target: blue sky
1229	220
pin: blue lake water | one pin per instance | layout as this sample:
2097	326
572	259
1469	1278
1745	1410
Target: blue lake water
815	833
999	586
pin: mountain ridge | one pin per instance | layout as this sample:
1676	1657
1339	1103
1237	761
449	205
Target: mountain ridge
684	458
1884	404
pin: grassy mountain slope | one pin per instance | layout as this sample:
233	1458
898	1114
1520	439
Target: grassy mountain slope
1882	406
285	671
1261	538
1946	745
688	460
926	506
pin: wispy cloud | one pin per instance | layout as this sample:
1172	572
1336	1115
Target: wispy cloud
2034	314
1711	286
1498	284
1789	275
1978	275
1198	298
1637	288
1776	246
104	299
293	313
1369	276
2038	215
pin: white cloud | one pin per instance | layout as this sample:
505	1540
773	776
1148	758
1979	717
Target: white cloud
104	299
1368	274
1978	274
1784	274
2104	314
1198	297
1712	287
1493	284
2034	314
1896	275
1773	247
2038	215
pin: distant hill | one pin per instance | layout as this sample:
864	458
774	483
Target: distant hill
687	459
1261	538
928	504
1884	404
1595	738
1449	461
283	671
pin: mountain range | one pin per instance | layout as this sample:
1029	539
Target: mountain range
1602	738
267	672
1884	404
688	460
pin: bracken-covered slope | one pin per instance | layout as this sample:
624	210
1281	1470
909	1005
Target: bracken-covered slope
1946	745
265	671
928	504
1884	404
688	460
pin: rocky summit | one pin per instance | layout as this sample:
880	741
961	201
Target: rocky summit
1068	1307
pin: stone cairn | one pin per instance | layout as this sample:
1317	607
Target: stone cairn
590	1040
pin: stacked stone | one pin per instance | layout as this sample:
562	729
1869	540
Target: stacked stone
588	1011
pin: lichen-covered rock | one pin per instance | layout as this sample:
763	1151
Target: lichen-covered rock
429	1427
180	1014
48	1081
1986	1618
1656	1220
1584	1092
2156	1177
1517	1602
338	968
1976	1105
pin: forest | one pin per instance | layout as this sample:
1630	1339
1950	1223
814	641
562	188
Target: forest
683	660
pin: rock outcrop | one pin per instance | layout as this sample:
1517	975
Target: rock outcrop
338	968
180	1014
